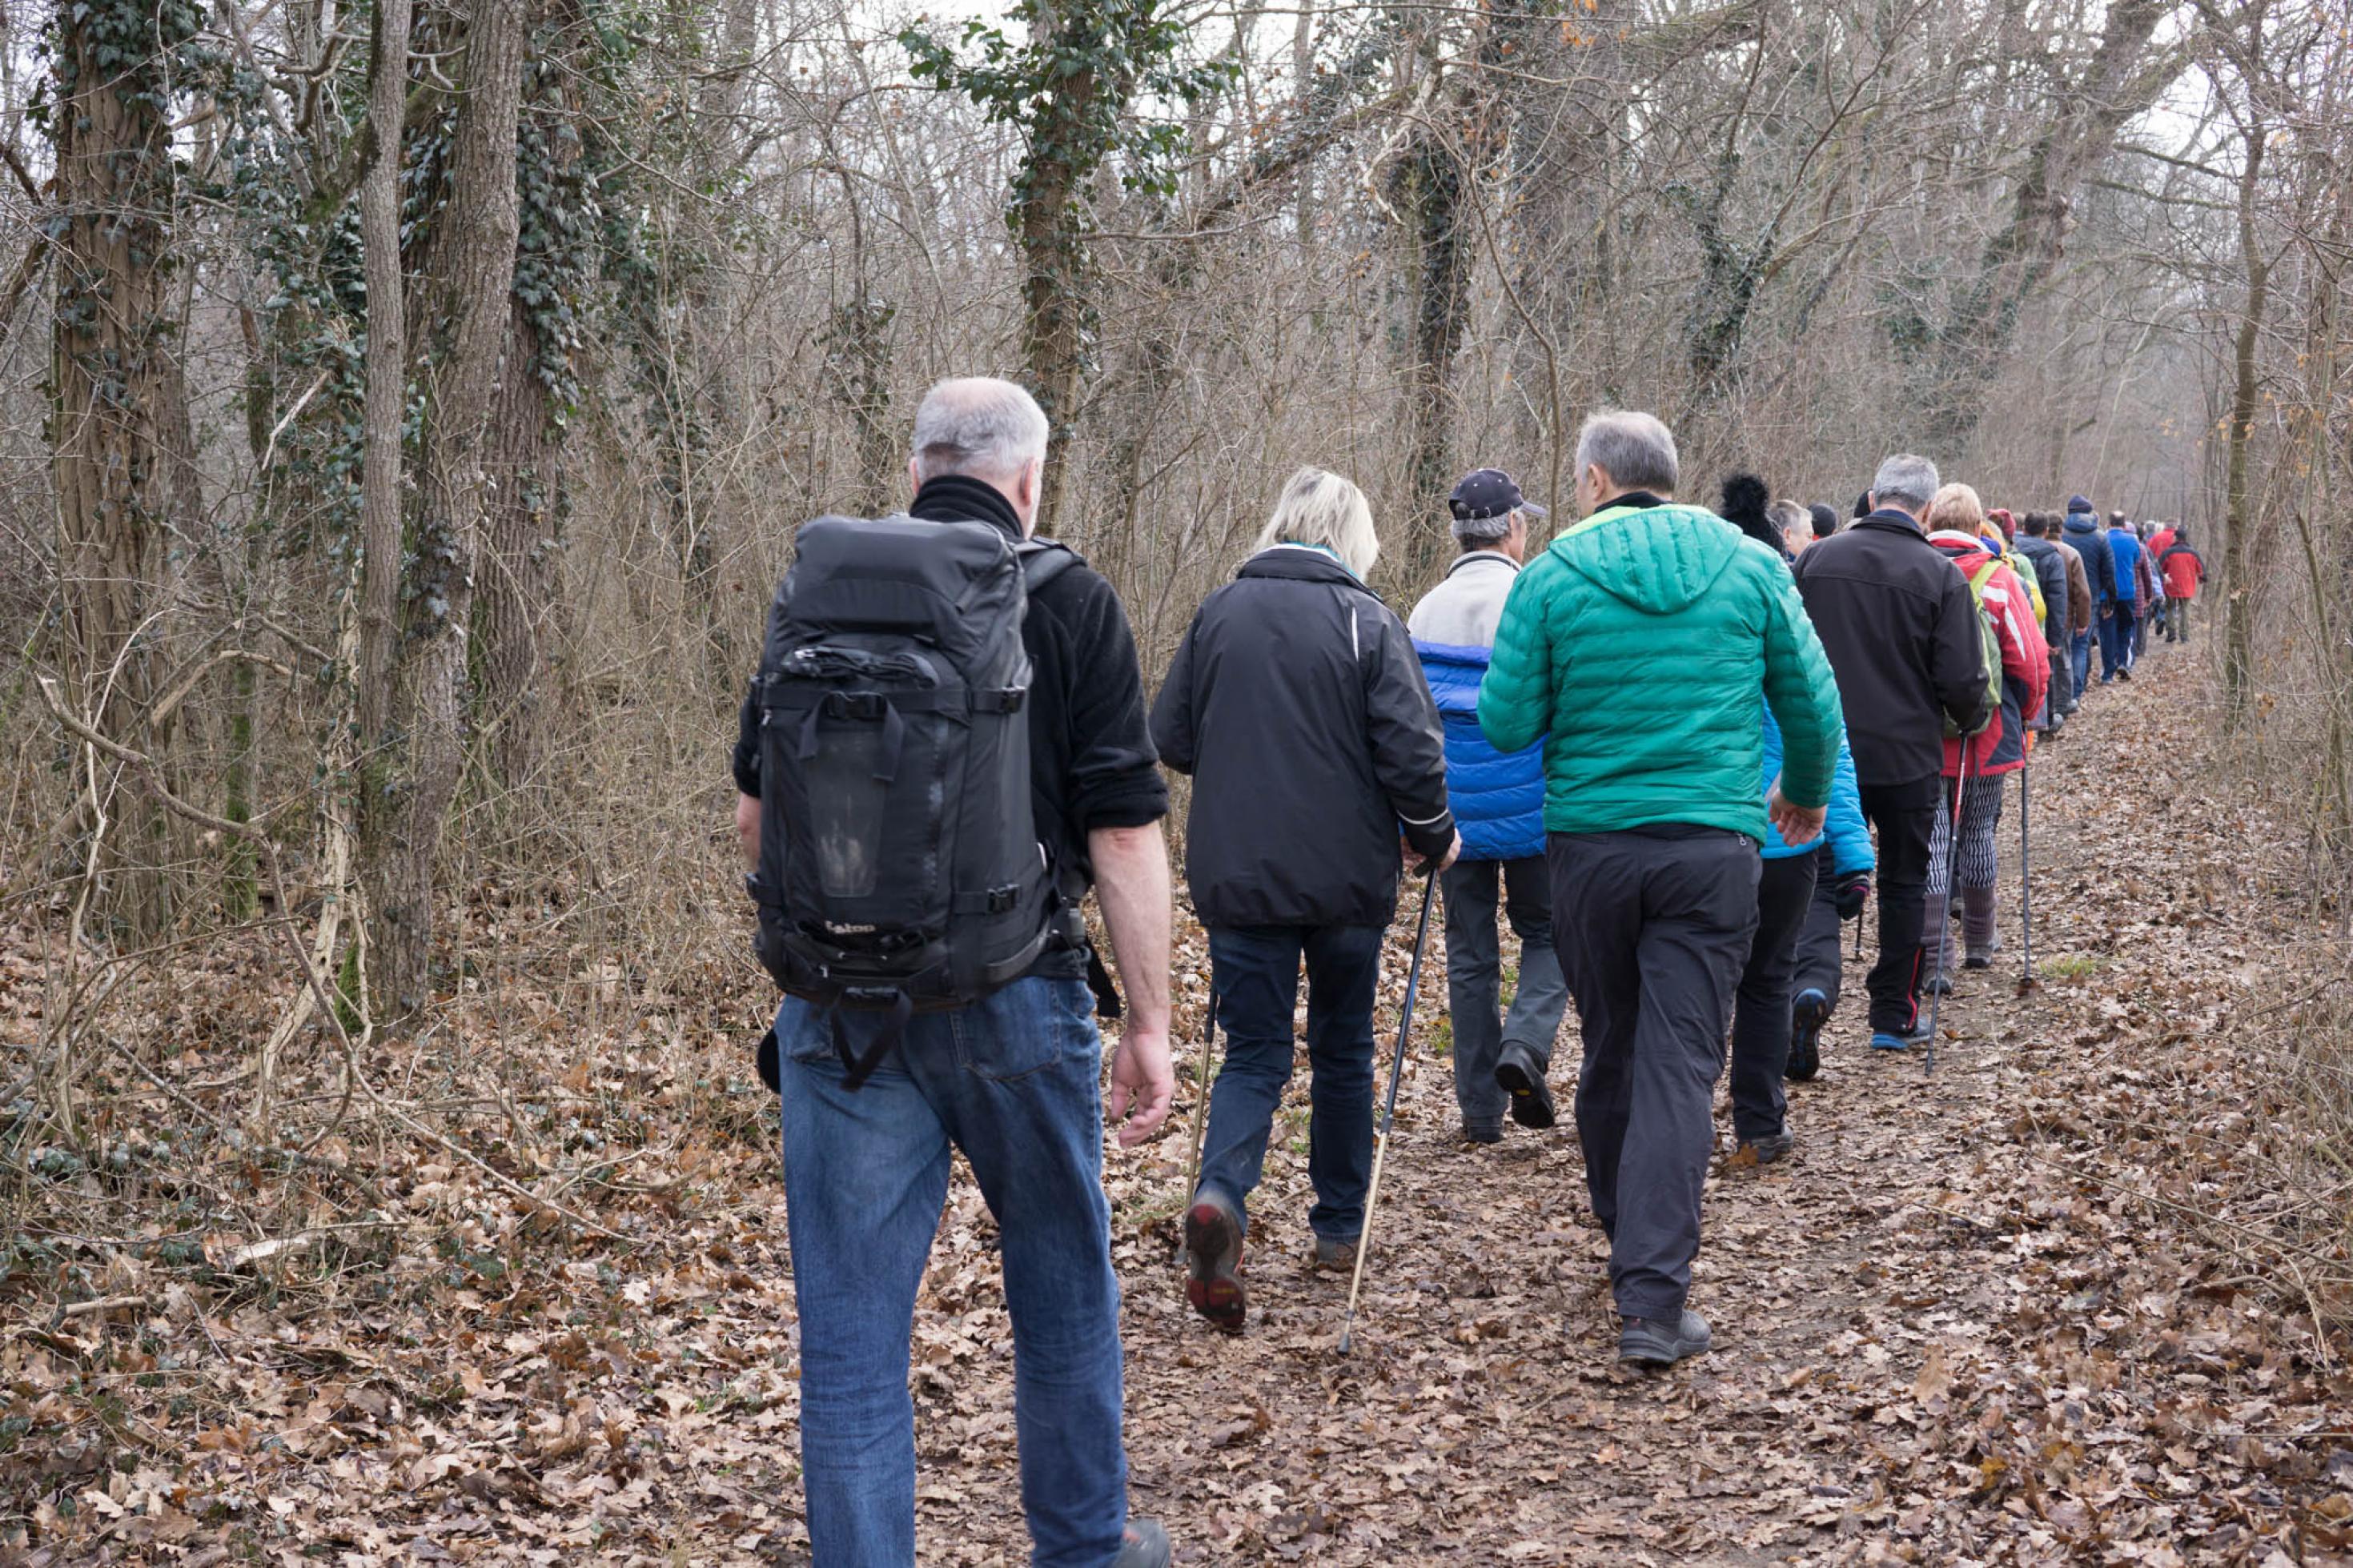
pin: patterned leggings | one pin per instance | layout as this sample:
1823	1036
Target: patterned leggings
1974	884
1980	817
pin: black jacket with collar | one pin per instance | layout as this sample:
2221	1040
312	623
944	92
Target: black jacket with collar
1091	759
1298	707
1896	618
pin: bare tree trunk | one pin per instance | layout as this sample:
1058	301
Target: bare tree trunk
2238	535
387	382
2118	83
113	375
524	556
1431	196
519	609
474	251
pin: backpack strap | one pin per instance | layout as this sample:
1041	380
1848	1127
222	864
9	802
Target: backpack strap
1981	577
1043	560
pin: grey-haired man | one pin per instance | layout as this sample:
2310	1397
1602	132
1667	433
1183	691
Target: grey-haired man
1501	1059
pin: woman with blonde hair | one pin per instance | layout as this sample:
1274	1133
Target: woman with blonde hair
1956	525
1298	707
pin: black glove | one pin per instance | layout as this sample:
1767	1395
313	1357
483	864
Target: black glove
1848	893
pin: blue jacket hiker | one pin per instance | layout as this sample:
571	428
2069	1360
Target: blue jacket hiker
1501	1059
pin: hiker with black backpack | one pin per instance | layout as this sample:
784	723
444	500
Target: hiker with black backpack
945	747
1955	522
1908	646
1318	763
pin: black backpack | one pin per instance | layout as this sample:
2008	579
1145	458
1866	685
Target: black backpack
900	868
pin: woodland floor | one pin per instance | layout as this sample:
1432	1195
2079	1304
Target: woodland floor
1994	1315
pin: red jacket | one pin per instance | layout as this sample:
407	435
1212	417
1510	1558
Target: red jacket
2184	572
2159	542
1999	748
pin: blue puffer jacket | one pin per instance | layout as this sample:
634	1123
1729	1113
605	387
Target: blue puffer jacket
1849	837
1497	796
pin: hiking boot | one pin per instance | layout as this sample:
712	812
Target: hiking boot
1482	1132
1937	985
1770	1151
1145	1546
1334	1255
1650	1342
1213	1261
1892	1040
2123	675
1518	1073
1807	1013
1977	958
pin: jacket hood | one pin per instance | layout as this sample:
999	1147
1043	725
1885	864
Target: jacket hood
2082	522
1659	559
1967	550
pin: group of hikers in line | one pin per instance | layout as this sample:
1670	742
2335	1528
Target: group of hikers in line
1659	750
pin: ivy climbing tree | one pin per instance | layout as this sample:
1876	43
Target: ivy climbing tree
107	110
1071	90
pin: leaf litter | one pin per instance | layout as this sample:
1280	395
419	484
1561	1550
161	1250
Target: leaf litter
2029	1311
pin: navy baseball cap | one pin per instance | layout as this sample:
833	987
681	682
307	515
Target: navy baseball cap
1488	492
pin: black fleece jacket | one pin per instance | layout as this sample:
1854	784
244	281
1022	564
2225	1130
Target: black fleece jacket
1091	759
1896	617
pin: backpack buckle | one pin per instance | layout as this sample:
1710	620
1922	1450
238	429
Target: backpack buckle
867	707
1004	901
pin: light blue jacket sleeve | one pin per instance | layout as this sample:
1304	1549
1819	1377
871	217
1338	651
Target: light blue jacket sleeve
1849	836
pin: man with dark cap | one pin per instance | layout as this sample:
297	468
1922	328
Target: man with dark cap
1501	1060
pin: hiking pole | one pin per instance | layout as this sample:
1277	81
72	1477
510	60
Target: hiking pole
1200	1105
1388	1106
2027	983
1940	905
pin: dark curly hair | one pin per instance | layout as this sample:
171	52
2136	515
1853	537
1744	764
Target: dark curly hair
1745	497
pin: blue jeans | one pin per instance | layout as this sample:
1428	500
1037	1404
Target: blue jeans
1254	971
2117	641
1474	968
2080	651
1014	1082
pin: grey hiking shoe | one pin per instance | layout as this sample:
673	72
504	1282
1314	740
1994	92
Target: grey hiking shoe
1333	1257
1483	1132
1768	1151
1147	1546
1650	1342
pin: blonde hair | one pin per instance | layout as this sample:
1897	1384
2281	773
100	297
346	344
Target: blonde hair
1956	507
1323	508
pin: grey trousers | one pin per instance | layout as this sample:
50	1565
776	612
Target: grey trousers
1474	965
1653	930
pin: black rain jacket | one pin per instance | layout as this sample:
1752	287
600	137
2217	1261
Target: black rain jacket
1298	707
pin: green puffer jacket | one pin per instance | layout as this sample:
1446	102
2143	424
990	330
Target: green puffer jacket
1637	643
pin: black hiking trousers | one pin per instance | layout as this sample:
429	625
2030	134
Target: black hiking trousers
1904	816
1652	927
1760	1009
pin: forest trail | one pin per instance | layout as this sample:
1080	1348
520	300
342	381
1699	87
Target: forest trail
1981	1316
1973	1319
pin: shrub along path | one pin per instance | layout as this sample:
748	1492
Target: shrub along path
2039	1308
